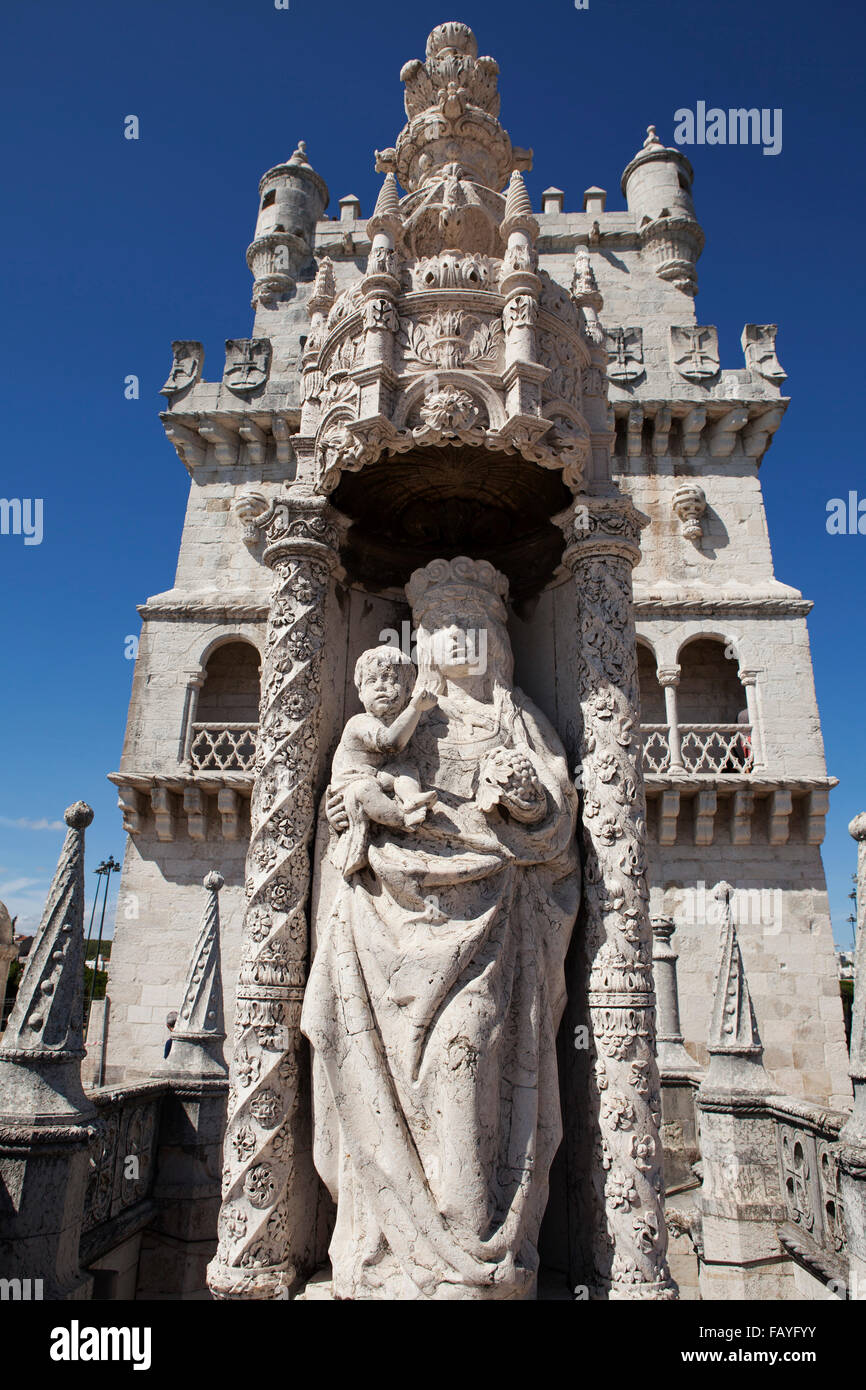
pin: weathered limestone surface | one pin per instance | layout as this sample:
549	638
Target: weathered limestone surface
852	1165
420	368
8	949
44	1112
437	984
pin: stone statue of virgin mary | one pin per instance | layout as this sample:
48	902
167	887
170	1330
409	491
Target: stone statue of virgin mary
437	984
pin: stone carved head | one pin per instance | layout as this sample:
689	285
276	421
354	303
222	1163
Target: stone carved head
384	677
458	609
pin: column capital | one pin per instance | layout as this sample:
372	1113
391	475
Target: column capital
748	676
663	929
601	526
668	675
297	523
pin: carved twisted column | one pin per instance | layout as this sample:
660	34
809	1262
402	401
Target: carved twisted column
268	1181
630	1240
852	1148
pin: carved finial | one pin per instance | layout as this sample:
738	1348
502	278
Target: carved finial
388	201
386	214
385	160
78	816
583	280
300	154
651	138
43	1045
734	1044
324	289
518	208
586	294
196	1045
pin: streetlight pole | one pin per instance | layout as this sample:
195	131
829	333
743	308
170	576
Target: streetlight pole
107	867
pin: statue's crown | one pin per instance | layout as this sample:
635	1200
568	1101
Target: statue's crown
452	586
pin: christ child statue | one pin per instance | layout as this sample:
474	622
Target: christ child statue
376	783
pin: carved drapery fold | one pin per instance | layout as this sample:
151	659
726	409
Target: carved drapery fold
268	1180
630	1238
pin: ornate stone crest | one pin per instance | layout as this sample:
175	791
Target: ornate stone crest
759	346
248	362
186	365
695	352
625	351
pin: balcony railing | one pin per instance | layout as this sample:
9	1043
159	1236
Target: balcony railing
223	747
706	748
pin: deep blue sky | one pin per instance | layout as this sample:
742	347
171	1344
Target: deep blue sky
111	248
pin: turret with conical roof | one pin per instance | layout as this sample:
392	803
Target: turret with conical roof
657	185
292	198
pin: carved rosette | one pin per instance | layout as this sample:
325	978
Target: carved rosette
268	1179
631	1238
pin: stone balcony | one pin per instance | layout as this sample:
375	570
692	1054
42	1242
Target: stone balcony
703	748
223	747
702	777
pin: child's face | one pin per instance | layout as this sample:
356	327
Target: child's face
382	691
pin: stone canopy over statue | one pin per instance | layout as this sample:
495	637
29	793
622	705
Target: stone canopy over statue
437	983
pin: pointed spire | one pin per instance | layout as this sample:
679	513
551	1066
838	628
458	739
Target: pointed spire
196	1044
734	1044
584	286
386	214
324	289
43	1046
518	209
388	201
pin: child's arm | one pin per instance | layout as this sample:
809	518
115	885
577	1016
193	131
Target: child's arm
393	738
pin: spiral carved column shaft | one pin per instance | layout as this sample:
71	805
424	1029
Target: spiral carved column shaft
269	1183
630	1240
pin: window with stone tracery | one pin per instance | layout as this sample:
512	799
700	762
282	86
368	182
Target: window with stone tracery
223	732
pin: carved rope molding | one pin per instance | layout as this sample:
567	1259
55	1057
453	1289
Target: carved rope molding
630	1241
268	1178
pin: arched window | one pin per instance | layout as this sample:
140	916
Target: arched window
714	726
223	736
653	718
652	700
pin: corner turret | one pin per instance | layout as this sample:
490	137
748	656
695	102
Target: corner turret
292	199
657	185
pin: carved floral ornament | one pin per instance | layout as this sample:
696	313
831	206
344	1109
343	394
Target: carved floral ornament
446	335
